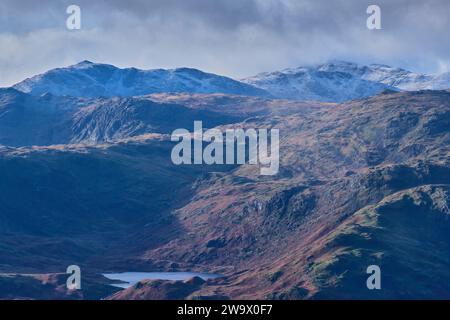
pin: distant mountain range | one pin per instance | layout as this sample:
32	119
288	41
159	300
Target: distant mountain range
339	81
335	81
87	179
87	79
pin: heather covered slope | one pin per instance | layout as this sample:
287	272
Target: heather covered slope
407	234
67	204
334	162
365	182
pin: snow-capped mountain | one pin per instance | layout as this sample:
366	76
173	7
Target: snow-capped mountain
341	80
88	79
335	81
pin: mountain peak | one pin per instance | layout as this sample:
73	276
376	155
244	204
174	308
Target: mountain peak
380	65
333	81
338	62
86	64
82	64
337	66
338	81
89	79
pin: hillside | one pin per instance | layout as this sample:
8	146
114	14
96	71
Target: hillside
351	177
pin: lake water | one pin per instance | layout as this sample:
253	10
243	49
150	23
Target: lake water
130	278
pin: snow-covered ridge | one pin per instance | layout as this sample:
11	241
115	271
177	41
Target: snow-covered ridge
90	79
334	81
342	80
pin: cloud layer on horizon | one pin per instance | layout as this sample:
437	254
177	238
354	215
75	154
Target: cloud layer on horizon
234	38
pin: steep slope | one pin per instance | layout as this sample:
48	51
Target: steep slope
87	79
339	81
406	234
349	174
27	120
334	161
119	118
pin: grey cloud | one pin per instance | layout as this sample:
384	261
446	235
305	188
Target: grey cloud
232	37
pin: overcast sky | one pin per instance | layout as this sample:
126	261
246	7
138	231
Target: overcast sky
237	38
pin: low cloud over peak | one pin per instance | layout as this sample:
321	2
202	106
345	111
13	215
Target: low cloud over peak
234	38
